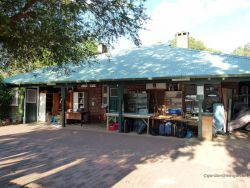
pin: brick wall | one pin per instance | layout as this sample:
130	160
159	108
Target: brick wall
97	112
137	88
230	85
95	104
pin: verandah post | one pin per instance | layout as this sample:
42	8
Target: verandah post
120	102
200	95
24	105
63	95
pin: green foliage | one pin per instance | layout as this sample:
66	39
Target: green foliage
243	50
15	113
5	97
195	44
35	33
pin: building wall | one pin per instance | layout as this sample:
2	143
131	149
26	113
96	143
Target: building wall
138	87
230	85
97	112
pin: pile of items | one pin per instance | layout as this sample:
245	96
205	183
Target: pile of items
178	129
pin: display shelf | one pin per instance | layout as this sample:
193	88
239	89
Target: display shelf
190	100
211	96
173	99
137	102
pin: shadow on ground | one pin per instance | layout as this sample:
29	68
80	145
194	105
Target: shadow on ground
72	158
237	145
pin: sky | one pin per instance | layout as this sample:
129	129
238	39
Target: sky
221	24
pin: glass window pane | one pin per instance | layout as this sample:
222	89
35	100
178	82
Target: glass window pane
113	92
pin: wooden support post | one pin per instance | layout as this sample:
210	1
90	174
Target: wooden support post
120	103
229	114
107	128
200	96
200	119
63	95
24	105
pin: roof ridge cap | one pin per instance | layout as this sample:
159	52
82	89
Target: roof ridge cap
215	53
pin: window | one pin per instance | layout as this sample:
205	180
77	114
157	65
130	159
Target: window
15	98
113	92
31	96
105	94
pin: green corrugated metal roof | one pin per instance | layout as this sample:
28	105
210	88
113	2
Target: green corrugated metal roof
157	61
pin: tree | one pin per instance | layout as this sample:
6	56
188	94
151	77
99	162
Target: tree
36	33
243	50
195	44
5	96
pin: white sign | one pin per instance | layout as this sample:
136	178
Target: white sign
200	90
84	85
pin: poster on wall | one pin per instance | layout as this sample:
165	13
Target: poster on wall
200	90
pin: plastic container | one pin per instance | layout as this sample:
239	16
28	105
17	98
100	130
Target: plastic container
174	111
113	127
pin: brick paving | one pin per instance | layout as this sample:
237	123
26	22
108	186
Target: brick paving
43	156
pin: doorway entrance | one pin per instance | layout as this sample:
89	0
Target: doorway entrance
31	105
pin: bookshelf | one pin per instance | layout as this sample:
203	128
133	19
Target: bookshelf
137	103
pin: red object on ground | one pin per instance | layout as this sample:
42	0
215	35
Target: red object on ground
113	127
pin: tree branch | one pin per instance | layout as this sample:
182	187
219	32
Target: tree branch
23	13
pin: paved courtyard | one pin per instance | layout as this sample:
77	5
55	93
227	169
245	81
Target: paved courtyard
43	156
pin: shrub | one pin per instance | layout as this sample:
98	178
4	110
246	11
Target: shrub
5	98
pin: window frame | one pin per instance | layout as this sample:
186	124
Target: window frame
15	98
105	95
27	98
113	88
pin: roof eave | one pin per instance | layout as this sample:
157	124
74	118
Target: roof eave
132	79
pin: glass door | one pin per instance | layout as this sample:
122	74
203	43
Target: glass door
113	99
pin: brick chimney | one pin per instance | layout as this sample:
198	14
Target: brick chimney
102	48
182	39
